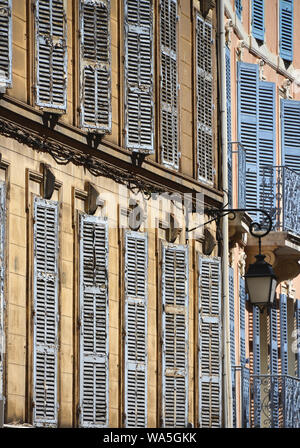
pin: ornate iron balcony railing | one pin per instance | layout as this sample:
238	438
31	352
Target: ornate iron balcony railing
280	196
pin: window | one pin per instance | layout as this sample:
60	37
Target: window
258	19
45	320
175	306
95	65
51	54
135	319
290	132
138	47
5	44
2	277
93	281
204	88
238	8
286	29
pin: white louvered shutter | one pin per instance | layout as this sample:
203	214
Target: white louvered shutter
136	284
209	350
2	277
139	109
5	43
204	80
45	320
169	84
93	322
175	303
51	54
95	65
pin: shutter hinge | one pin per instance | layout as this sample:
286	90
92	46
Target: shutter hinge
78	410
123	333
123	417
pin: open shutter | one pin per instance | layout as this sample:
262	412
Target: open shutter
169	84
138	47
242	321
238	8
290	131
256	365
95	65
283	335
5	44
2	277
93	287
229	133
175	304
297	312
209	350
258	19
248	128
286	29
45	320
136	284
232	338
204	91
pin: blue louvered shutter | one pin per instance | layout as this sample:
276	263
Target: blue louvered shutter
45	304
175	318
256	365
232	337
290	132
2	278
209	349
136	284
238	8
93	314
286	29
258	19
139	75
248	128
297	312
283	334
51	54
5	43
95	65
229	133
242	321
274	367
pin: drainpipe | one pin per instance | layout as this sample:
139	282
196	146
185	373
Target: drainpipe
227	388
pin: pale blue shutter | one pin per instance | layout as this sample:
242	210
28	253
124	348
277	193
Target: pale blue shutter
2	279
45	320
5	43
274	367
139	109
175	331
242	321
209	350
297	312
238	8
51	54
229	133
95	65
283	334
136	284
258	19
232	338
290	132
286	29
256	365
93	310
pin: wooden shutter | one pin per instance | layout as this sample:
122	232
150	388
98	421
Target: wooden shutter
229	122
286	29
138	47
93	287
258	19
5	43
297	315
2	279
95	65
290	132
274	367
283	335
51	54
136	285
256	364
232	337
242	321
204	89
238	8
169	84
209	354
45	320
175	305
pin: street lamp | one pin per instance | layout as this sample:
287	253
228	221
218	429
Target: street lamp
261	282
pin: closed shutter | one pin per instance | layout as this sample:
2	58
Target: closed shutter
242	321
286	29
297	312
2	278
229	133
238	8
232	338
274	367
283	335
136	285
5	43
175	304
204	91
51	54
93	287
209	354
139	109
258	19
169	84
95	65
45	320
290	131
256	365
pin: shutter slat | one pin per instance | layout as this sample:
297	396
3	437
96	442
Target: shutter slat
258	19
286	29
94	316
5	43
209	354
45	290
